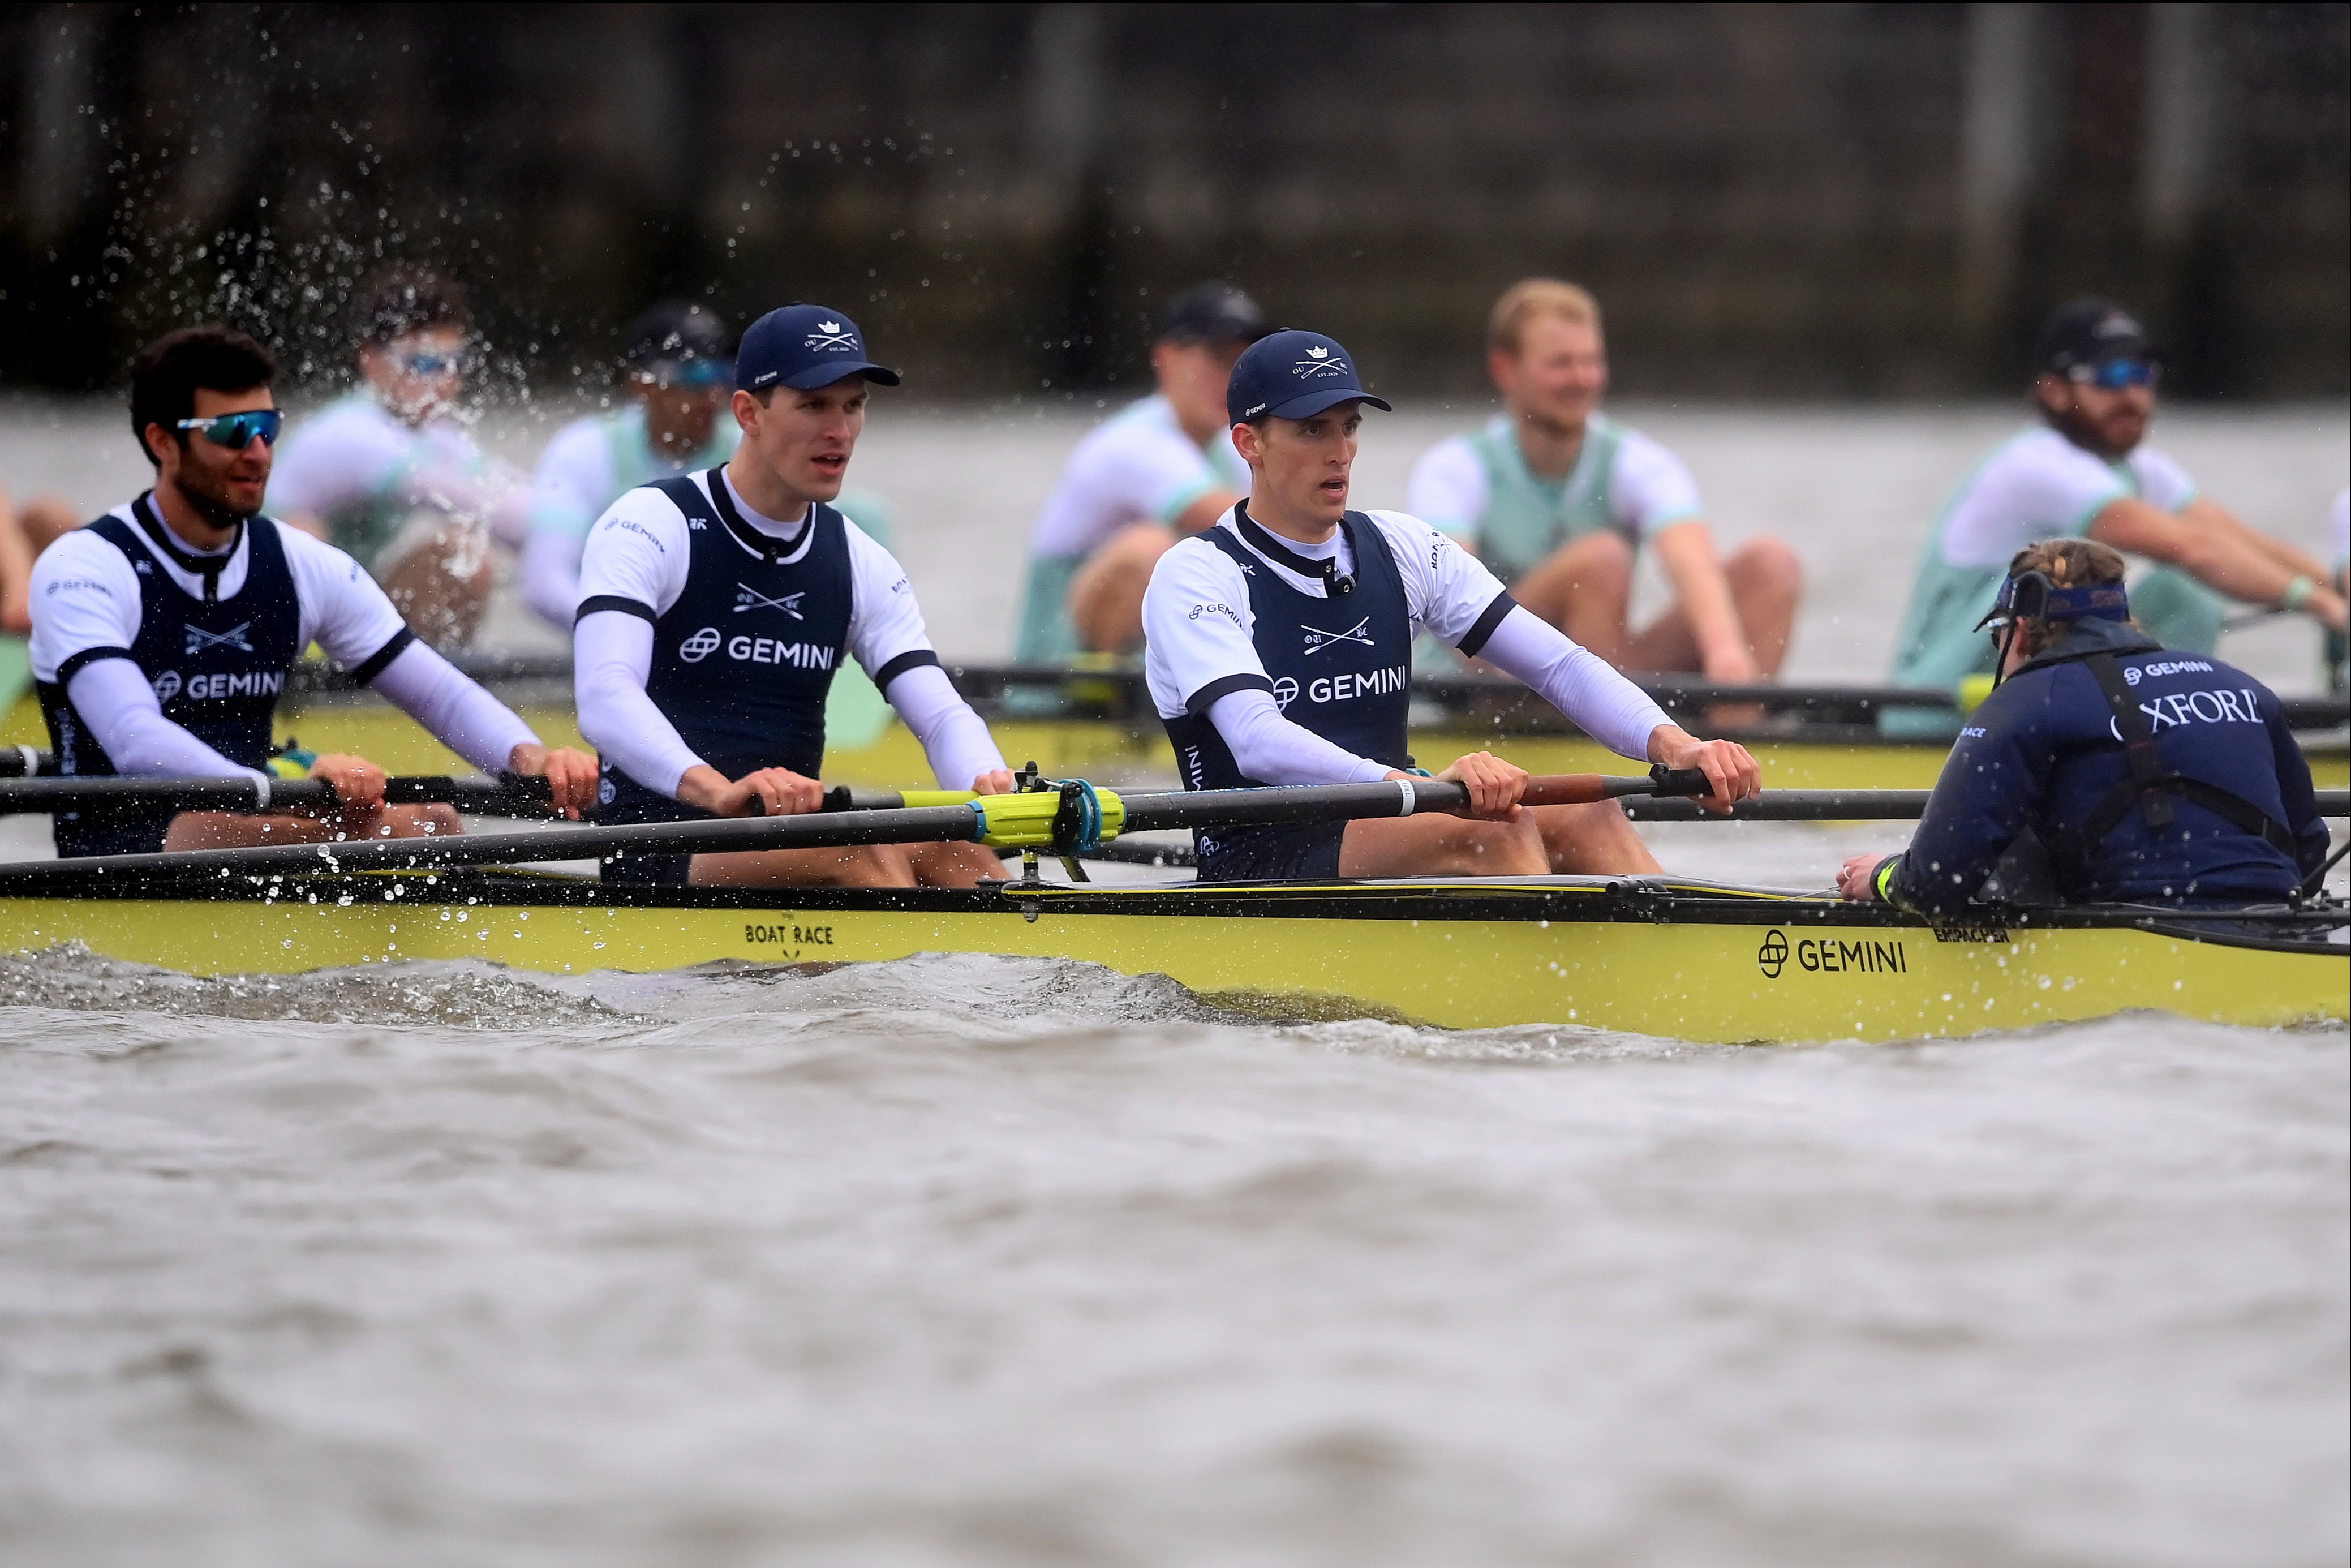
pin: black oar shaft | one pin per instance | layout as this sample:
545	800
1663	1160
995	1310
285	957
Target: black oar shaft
935	824
507	793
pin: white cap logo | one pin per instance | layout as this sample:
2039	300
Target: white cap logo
833	335
1317	363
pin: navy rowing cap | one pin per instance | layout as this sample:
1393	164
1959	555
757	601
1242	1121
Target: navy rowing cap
1293	375
804	347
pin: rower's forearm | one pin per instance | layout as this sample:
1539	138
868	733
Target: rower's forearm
452	707
954	739
2276	550
1579	682
1686	553
2229	566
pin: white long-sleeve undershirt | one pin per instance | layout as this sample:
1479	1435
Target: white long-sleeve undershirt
1269	747
452	707
612	659
114	700
954	739
1199	626
1578	682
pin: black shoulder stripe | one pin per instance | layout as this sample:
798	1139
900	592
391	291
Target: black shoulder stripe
381	659
1494	615
88	656
1201	701
912	659
626	606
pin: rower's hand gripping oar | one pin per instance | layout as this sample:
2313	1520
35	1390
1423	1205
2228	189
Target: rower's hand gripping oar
1069	819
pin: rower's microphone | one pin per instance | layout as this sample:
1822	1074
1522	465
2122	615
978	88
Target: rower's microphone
1336	581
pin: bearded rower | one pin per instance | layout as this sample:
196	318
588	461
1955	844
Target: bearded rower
2088	471
1279	653
716	607
163	633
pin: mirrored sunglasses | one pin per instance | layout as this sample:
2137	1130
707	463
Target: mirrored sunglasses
237	430
2116	374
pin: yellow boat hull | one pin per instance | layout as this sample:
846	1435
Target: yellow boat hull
1458	954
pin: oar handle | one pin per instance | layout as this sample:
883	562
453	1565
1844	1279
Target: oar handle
1584	789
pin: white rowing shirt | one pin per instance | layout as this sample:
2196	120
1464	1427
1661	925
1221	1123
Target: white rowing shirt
362	471
2039	485
1136	465
1199	631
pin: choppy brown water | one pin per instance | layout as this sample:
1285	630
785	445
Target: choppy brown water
991	1263
984	1261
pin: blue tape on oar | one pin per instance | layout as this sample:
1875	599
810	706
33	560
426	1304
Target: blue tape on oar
1077	826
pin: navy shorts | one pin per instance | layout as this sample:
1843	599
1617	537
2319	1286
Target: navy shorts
118	832
1310	853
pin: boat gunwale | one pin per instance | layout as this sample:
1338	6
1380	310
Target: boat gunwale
1566	900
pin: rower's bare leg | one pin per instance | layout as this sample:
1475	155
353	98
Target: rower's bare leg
1441	846
1597	839
1106	595
866	865
1766	582
1585	589
953	866
240	830
441	587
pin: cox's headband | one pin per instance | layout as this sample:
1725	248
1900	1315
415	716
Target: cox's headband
2031	596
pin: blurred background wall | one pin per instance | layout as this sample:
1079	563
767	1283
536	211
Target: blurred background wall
1772	201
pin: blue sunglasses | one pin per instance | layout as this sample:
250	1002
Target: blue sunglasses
2116	374
237	430
688	372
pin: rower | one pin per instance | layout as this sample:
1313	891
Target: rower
25	533
680	373
2144	775
1159	470
391	475
716	607
2087	471
163	632
1558	499
1279	652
